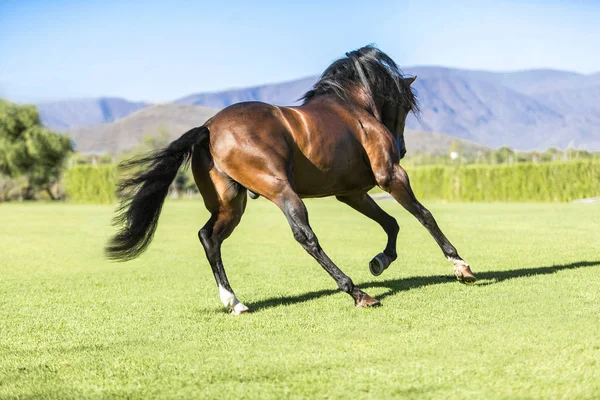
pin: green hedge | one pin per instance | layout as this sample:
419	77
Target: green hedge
91	183
548	182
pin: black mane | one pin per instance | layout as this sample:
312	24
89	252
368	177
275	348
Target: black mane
370	68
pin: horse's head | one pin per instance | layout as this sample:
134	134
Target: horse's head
370	79
394	114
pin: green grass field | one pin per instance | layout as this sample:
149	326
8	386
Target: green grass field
73	325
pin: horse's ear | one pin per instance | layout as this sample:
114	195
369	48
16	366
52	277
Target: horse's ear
410	80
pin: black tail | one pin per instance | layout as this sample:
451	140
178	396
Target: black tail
143	195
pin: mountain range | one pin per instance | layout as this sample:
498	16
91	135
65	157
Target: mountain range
128	133
66	114
533	109
174	119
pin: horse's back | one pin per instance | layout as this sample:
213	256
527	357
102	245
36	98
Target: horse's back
315	147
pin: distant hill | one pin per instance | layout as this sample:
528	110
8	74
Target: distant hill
127	133
525	82
525	110
63	115
487	113
286	93
542	108
533	109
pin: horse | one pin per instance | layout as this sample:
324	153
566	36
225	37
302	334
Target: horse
345	138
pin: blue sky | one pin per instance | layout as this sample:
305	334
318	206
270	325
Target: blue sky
159	51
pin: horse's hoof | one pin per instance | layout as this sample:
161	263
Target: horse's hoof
378	264
463	274
239	309
367	301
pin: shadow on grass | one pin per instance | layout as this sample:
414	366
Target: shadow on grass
403	284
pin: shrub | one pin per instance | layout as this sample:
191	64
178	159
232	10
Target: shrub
91	183
548	182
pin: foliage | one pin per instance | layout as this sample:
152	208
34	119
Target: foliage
91	183
29	150
92	159
93	179
548	182
76	326
503	155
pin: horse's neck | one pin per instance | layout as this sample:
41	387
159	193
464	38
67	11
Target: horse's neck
362	99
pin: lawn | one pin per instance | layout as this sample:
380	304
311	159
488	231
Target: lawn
73	325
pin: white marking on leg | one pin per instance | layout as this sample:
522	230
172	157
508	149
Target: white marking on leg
227	298
239	308
231	302
457	261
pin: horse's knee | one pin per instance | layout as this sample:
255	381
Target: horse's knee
299	236
392	226
384	180
307	239
425	217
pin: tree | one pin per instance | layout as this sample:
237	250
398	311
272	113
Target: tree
29	150
504	155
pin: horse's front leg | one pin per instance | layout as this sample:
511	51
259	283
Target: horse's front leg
295	211
364	204
396	183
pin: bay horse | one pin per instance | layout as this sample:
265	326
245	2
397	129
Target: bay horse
345	138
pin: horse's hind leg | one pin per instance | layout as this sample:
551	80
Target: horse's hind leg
226	201
365	205
396	182
295	211
213	233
